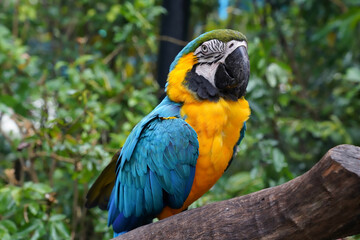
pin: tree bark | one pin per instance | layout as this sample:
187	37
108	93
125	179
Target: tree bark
323	203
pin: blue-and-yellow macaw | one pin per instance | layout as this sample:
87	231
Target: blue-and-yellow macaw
177	152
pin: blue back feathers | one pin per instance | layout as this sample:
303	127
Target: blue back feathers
156	168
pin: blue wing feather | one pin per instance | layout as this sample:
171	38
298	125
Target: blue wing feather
242	135
156	167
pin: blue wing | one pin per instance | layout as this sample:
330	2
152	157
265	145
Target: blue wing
242	135
156	168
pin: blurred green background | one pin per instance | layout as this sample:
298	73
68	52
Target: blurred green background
76	76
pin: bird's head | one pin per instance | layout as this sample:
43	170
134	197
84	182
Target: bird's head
214	65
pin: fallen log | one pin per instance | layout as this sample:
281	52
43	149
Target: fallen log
323	203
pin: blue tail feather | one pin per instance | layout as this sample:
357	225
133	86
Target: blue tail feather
122	224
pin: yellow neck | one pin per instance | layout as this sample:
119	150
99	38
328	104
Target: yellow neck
175	89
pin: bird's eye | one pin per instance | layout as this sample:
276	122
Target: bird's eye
204	48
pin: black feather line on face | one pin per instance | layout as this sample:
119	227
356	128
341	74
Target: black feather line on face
204	90
201	86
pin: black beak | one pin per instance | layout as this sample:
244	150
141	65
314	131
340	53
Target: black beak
232	77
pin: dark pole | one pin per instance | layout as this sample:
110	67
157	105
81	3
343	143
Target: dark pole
173	35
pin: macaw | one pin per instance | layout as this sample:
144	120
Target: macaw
178	151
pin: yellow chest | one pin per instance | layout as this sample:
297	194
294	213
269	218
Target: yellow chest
218	126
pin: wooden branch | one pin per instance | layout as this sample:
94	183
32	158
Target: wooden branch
115	52
173	40
323	203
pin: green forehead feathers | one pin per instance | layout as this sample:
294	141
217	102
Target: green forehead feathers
224	35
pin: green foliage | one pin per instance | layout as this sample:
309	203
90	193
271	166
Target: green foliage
76	76
74	91
27	211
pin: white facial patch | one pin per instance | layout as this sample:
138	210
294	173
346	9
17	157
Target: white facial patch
211	53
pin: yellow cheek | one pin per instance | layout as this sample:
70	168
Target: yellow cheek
176	91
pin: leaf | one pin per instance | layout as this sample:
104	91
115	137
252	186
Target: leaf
84	59
53	232
6	200
4	235
352	74
9	225
34	208
64	232
278	160
16	195
57	217
31	227
243	183
275	74
40	188
8	100
36	235
4	32
60	64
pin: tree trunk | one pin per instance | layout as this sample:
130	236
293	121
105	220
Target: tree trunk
323	203
173	35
